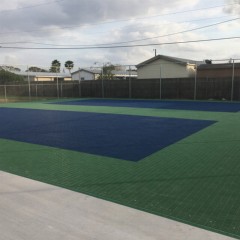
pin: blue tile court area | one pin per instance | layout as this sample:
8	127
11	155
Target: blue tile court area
158	104
123	137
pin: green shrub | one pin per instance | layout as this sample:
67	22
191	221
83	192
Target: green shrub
8	77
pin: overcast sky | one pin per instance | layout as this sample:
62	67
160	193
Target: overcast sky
78	23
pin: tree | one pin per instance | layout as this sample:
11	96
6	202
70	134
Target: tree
8	77
107	72
69	65
55	67
10	68
35	69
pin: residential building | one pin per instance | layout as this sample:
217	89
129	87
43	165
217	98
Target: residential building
43	76
162	66
222	70
94	74
86	74
124	74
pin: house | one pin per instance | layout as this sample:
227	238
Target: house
93	74
43	76
162	66
222	70
124	74
86	74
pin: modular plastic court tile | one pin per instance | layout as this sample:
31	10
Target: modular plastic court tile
195	180
119	136
158	104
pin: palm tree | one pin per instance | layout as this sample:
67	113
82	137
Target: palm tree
69	65
55	67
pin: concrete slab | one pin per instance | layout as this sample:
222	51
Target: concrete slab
34	210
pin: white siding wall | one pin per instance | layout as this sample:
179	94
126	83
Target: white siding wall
75	76
83	76
167	70
44	79
191	69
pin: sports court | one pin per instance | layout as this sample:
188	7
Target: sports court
175	159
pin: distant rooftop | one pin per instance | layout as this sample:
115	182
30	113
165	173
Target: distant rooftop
132	73
218	66
168	58
114	72
41	74
90	70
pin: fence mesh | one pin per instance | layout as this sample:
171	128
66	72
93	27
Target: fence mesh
206	89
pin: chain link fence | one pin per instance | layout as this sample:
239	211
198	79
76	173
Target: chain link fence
177	88
208	81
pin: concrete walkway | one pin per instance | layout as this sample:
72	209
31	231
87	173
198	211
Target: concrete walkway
31	210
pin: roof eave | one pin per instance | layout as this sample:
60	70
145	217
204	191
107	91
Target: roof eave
171	59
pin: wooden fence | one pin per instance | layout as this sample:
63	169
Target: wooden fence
195	89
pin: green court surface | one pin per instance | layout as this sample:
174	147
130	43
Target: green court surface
195	181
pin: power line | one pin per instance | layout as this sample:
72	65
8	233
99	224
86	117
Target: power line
144	39
170	34
123	46
65	45
76	26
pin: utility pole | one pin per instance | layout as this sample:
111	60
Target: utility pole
155	51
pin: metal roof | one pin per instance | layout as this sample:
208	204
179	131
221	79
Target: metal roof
181	61
41	74
89	70
218	66
114	72
125	73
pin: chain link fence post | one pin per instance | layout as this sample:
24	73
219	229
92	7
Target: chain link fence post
5	93
61	90
79	89
29	85
160	82
195	82
102	82
57	85
79	84
36	86
129	82
233	76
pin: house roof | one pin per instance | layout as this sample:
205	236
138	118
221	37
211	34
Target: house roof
89	70
41	74
218	66
117	73
181	61
124	73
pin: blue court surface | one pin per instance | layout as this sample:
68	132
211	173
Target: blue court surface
159	104
118	136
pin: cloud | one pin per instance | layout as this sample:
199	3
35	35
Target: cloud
86	11
53	23
233	8
75	12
